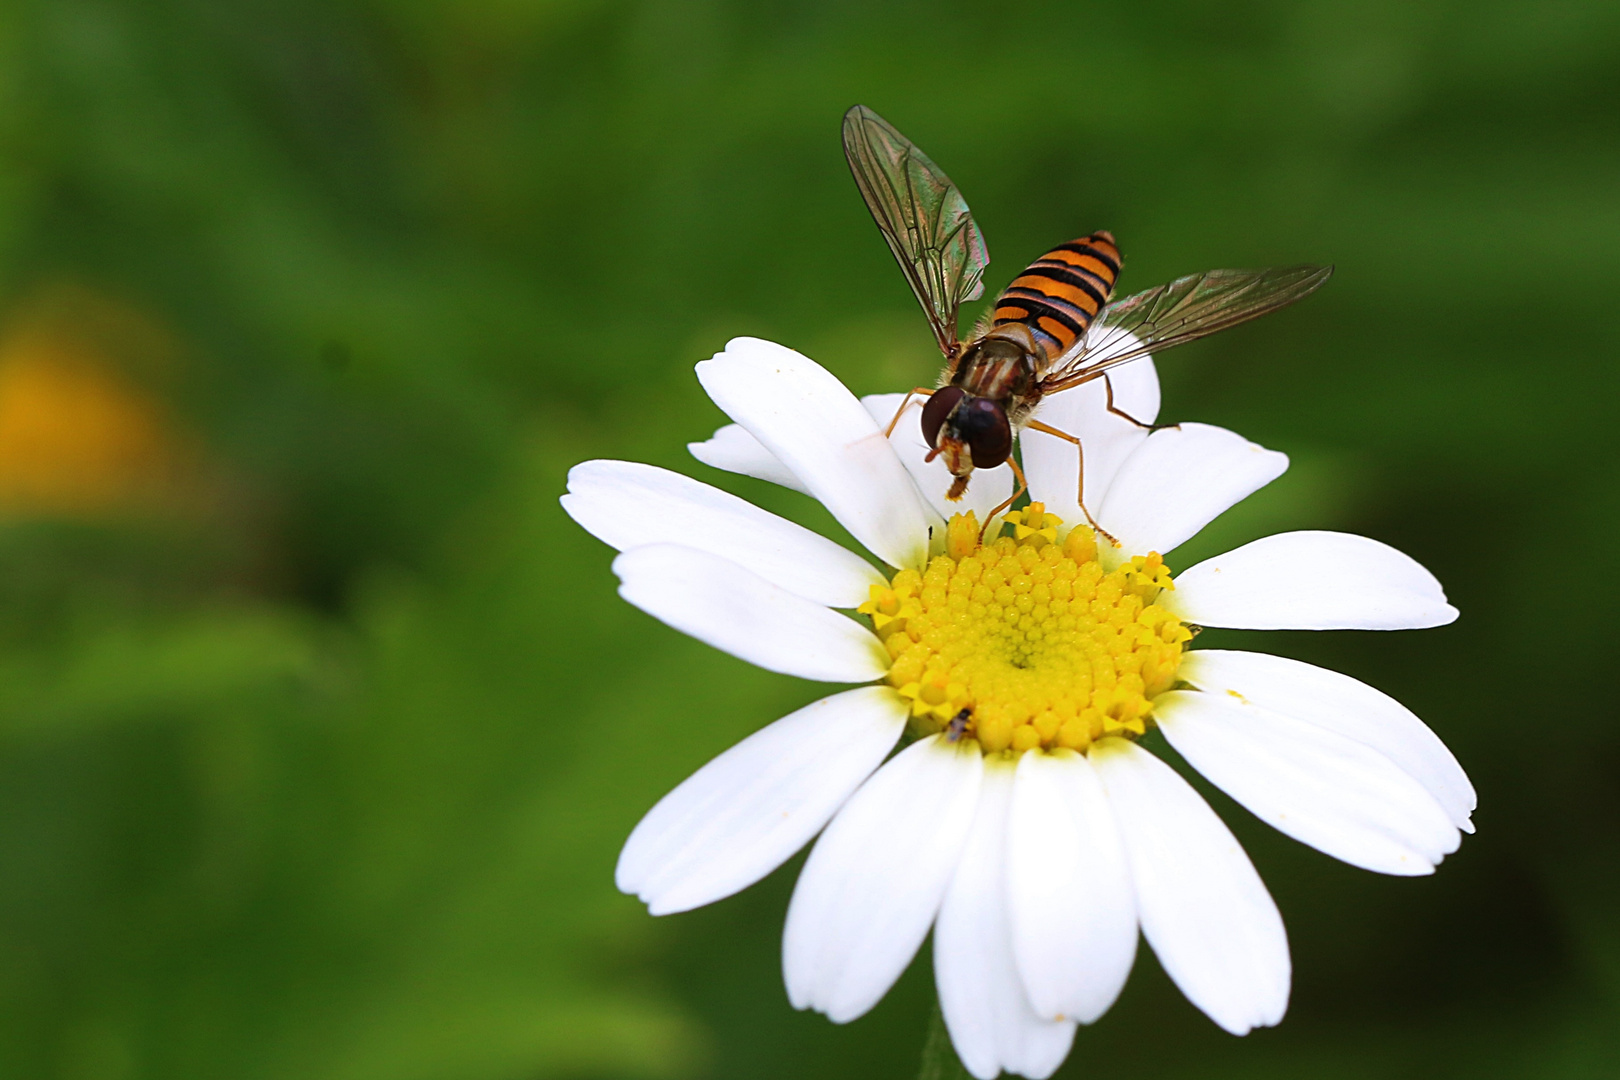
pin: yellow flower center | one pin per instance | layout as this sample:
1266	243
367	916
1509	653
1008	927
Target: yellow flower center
1026	641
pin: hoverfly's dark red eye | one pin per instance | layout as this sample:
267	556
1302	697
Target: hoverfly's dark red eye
983	425
939	406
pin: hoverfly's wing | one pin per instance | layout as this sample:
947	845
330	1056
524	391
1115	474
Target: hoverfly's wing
922	216
1185	310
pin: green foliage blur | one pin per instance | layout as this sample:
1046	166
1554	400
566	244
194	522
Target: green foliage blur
321	725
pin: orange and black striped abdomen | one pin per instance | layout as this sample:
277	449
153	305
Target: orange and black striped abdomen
1062	291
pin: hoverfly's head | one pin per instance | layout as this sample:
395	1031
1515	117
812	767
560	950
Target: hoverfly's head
968	432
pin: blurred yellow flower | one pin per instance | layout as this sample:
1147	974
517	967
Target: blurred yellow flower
77	435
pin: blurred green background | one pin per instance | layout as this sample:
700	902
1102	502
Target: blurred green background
321	725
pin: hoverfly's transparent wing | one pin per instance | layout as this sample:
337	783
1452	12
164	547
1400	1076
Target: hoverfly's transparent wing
922	216
1185	310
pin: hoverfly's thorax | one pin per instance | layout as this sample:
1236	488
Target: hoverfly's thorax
1003	366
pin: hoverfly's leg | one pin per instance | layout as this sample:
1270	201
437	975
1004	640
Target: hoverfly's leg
1108	387
1080	487
902	409
1023	486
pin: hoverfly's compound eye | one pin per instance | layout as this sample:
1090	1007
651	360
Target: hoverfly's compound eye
939	406
982	424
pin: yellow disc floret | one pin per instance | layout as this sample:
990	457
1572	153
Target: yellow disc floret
1026	641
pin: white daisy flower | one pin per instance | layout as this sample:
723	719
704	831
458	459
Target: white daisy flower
1024	824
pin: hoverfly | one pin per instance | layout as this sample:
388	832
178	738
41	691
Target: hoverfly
1053	329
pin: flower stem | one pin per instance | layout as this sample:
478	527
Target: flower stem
939	1060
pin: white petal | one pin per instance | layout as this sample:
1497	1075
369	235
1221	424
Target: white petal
987	489
1179	480
1203	908
744	813
1343	705
627	504
987	1012
1073	913
1341	797
1311	581
735	610
875	879
1051	464
814	426
734	450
